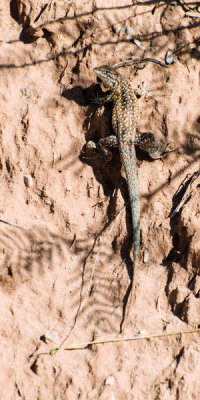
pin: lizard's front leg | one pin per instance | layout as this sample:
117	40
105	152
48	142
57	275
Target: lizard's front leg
104	99
104	144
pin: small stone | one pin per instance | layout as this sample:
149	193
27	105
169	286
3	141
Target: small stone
139	44
193	14
110	380
145	256
28	180
128	31
169	57
142	333
52	336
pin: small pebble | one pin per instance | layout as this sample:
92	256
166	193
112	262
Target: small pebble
110	380
146	256
193	14
142	333
127	30
28	180
169	57
139	44
52	336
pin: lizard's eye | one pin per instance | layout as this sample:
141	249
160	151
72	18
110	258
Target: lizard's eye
106	72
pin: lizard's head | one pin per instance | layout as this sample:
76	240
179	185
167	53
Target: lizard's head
108	75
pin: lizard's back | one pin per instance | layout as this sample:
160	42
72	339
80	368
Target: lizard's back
125	116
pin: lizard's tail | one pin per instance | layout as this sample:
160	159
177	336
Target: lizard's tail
135	210
129	161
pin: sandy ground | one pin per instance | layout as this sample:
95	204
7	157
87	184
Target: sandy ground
64	273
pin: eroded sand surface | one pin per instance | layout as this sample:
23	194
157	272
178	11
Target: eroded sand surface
77	249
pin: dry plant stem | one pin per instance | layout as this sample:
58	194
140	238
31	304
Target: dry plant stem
131	61
186	194
82	346
15	225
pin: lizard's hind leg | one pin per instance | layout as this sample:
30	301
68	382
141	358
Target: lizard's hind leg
146	141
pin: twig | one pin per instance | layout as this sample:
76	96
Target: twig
131	61
15	225
191	180
82	346
19	390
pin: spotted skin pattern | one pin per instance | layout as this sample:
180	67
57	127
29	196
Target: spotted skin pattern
125	118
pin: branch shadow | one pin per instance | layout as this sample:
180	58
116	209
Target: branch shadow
28	36
24	252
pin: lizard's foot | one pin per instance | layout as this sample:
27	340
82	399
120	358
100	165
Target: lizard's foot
160	152
96	98
103	146
91	147
142	90
101	97
100	149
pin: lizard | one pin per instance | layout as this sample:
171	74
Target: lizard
125	119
